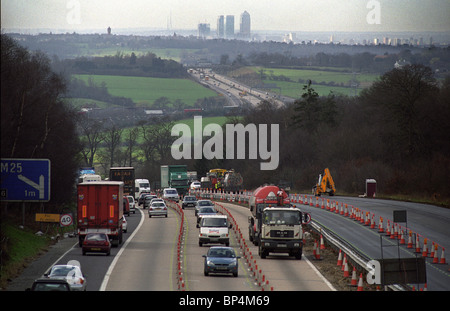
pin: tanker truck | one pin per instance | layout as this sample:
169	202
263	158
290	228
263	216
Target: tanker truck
275	226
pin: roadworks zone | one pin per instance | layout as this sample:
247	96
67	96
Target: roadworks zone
254	272
341	274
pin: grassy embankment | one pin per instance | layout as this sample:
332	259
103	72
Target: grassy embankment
340	78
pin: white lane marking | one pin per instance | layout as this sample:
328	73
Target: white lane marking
116	258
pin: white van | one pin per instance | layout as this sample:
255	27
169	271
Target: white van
214	229
171	194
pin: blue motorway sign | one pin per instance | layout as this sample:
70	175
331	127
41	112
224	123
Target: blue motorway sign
25	180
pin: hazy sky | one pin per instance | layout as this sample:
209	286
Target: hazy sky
291	15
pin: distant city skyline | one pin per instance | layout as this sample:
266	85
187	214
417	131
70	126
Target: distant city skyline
287	15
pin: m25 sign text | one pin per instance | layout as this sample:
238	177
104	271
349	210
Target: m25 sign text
25	180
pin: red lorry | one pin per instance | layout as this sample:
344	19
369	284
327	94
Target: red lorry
100	209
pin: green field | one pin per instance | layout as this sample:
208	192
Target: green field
145	90
295	89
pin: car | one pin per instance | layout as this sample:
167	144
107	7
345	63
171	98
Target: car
189	200
195	185
201	203
124	224
147	200
97	242
157	209
132	202
221	259
142	197
171	194
156	200
205	210
50	285
126	206
71	273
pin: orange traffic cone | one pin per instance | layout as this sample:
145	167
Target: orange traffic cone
354	281
435	251
322	245
410	240
344	262
346	273
318	253
442	261
360	283
402	238
417	244
432	250
425	248
339	262
380	225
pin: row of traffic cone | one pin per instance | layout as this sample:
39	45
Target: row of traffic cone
392	230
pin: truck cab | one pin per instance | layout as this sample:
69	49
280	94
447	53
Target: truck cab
281	232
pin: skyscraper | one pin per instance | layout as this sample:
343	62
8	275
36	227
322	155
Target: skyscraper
245	25
220	26
229	27
203	30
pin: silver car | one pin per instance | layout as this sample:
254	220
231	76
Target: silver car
157	208
71	273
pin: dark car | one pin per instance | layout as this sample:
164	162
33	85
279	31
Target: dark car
148	199
142	197
189	201
50	285
205	210
221	259
96	243
201	203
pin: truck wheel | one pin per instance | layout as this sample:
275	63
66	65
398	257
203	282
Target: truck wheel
262	252
298	255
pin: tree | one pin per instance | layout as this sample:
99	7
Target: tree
398	99
91	132
112	140
35	121
312	111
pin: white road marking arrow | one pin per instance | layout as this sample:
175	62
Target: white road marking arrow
39	187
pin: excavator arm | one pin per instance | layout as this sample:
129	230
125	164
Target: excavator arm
325	184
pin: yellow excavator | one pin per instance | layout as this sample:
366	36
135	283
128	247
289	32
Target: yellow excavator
325	184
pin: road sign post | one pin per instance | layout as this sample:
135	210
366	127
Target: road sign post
25	180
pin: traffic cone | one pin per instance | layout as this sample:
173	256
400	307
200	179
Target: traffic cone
372	224
344	262
318	253
417	244
360	284
402	238
435	257
410	240
425	248
322	245
339	262
354	281
442	261
388	228
346	273
432	250
380	225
